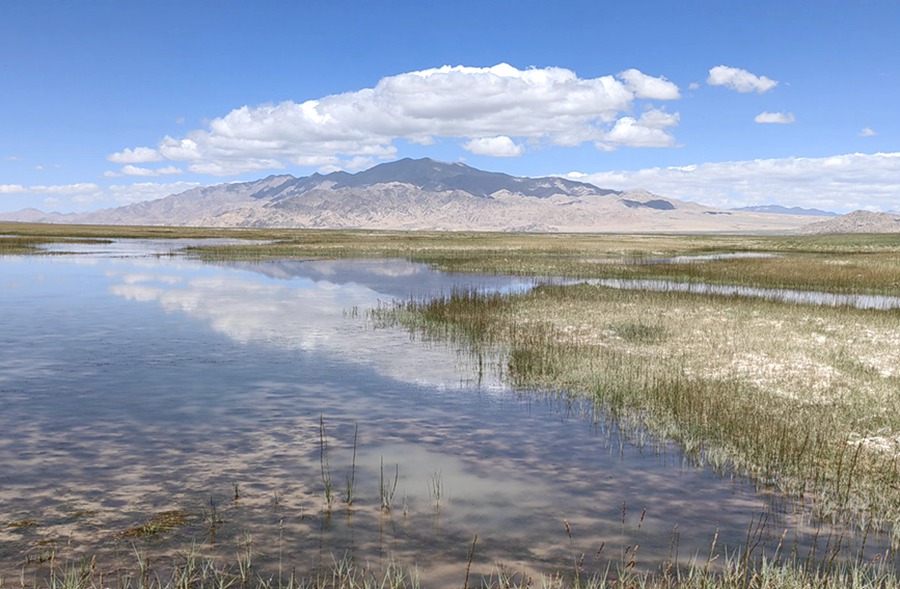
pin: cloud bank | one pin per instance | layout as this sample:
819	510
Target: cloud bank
59	189
491	111
88	192
840	183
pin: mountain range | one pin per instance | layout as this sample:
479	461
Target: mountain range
427	194
781	210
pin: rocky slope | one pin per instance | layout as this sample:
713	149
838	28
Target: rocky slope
857	222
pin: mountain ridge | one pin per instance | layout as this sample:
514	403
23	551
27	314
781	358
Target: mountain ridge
414	194
782	210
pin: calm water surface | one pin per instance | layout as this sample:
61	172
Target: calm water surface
132	384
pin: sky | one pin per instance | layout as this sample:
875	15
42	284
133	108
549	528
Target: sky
728	104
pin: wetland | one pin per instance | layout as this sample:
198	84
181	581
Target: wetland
334	408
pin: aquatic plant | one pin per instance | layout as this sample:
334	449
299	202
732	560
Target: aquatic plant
436	491
387	488
157	524
324	464
350	486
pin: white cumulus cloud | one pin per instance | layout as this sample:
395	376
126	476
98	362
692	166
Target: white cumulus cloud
130	170
780	118
867	132
499	146
739	80
839	183
645	86
138	155
647	131
539	105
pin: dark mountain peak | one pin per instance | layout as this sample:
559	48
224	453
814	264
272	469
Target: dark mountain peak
436	176
656	204
432	175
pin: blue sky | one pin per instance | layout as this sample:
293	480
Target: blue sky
106	103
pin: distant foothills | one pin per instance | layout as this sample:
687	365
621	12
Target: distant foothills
424	194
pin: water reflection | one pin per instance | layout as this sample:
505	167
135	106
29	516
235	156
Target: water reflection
695	258
309	306
137	248
393	278
859	301
130	386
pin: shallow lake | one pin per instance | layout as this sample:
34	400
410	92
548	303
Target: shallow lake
133	384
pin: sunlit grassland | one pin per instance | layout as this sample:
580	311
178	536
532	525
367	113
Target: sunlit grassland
803	399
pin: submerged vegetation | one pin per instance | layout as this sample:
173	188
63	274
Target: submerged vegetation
157	524
804	400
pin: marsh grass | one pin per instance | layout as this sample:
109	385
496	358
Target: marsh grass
436	491
191	570
325	466
213	519
350	486
23	524
850	274
802	399
16	245
855	263
841	264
